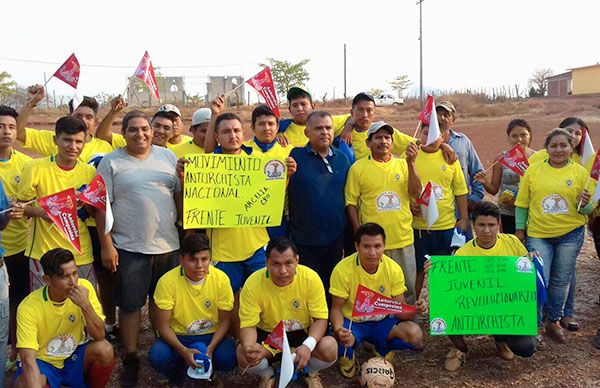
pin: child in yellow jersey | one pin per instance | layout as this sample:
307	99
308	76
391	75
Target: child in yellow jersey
551	210
50	175
372	269
449	188
293	293
378	189
489	242
194	303
53	327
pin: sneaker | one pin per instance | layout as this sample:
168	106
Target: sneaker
266	382
313	381
131	367
504	351
454	360
348	367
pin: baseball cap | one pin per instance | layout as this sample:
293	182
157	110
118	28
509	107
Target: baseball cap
447	105
361	97
169	108
379	125
205	370
201	116
297	91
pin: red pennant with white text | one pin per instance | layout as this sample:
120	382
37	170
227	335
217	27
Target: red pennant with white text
275	338
516	160
62	209
368	303
69	71
263	83
145	72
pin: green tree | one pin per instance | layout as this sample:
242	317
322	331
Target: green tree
374	92
7	86
286	74
400	84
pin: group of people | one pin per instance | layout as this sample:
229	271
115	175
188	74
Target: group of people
351	218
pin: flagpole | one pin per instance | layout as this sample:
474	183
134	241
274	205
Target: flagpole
418	128
43	87
584	187
23	204
234	89
349	329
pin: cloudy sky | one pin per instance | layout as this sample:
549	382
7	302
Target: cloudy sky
467	43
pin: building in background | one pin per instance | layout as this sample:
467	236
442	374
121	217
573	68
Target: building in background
576	81
219	85
170	89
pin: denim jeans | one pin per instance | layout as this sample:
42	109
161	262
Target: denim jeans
559	255
4	313
570	303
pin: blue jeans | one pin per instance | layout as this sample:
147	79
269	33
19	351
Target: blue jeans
570	304
560	255
4	314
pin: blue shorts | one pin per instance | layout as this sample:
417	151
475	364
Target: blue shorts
71	373
238	271
376	333
432	243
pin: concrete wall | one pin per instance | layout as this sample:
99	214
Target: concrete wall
586	80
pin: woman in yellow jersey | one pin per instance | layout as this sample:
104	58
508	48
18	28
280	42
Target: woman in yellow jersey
552	212
504	180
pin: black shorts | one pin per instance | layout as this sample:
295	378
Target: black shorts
17	267
137	275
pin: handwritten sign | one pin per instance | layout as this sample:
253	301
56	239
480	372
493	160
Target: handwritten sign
482	295
233	191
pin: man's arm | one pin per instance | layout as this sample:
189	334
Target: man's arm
31	376
94	325
216	107
463	211
303	352
352	213
163	317
35	94
109	254
253	351
414	183
104	129
336	316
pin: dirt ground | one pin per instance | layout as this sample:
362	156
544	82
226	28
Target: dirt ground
574	364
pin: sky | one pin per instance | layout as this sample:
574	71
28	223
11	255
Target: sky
466	43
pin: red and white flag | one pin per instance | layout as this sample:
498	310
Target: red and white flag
428	117
595	173
69	71
62	209
428	202
277	339
145	72
95	194
263	83
368	303
516	160
587	148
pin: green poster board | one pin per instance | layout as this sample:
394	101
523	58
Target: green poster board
482	295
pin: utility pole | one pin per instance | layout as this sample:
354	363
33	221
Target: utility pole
345	71
420	4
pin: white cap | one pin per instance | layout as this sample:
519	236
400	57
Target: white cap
379	125
170	108
201	116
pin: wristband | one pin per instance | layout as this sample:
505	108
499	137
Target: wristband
310	343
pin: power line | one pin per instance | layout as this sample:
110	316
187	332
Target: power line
129	66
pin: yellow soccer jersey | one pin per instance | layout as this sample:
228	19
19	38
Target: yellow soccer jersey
264	305
551	194
295	132
506	245
42	142
195	307
448	182
40	178
184	140
118	141
359	143
187	148
14	237
348	274
380	192
236	244
53	331
277	151
542	155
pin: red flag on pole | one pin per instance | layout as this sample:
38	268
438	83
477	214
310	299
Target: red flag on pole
425	115
62	209
275	338
263	83
368	303
145	72
69	71
595	172
428	202
516	160
95	193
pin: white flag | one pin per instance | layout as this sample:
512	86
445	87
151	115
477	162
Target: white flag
109	219
434	126
287	363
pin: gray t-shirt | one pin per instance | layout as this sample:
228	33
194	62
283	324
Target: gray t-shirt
142	197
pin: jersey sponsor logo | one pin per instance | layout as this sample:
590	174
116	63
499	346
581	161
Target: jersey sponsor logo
388	200
292	325
554	204
200	326
437	190
61	346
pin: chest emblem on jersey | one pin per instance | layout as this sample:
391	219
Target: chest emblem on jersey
382	288
200	326
207	303
438	191
61	346
444	167
17	179
388	200
554	204
71	318
569	182
397	176
296	304
274	169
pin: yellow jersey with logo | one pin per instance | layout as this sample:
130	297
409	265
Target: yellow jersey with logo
184	140
194	306
43	177
380	192
348	274
448	181
506	245
42	143
53	331
359	143
263	304
551	195
295	132
277	151
187	148
14	237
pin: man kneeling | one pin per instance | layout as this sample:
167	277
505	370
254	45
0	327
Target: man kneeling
194	303
52	323
295	294
372	269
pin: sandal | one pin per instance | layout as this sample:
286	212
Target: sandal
569	324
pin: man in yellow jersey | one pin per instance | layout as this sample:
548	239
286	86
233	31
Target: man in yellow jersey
194	303
200	121
371	268
490	242
378	189
49	175
54	323
300	105
14	237
449	188
177	138
293	293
